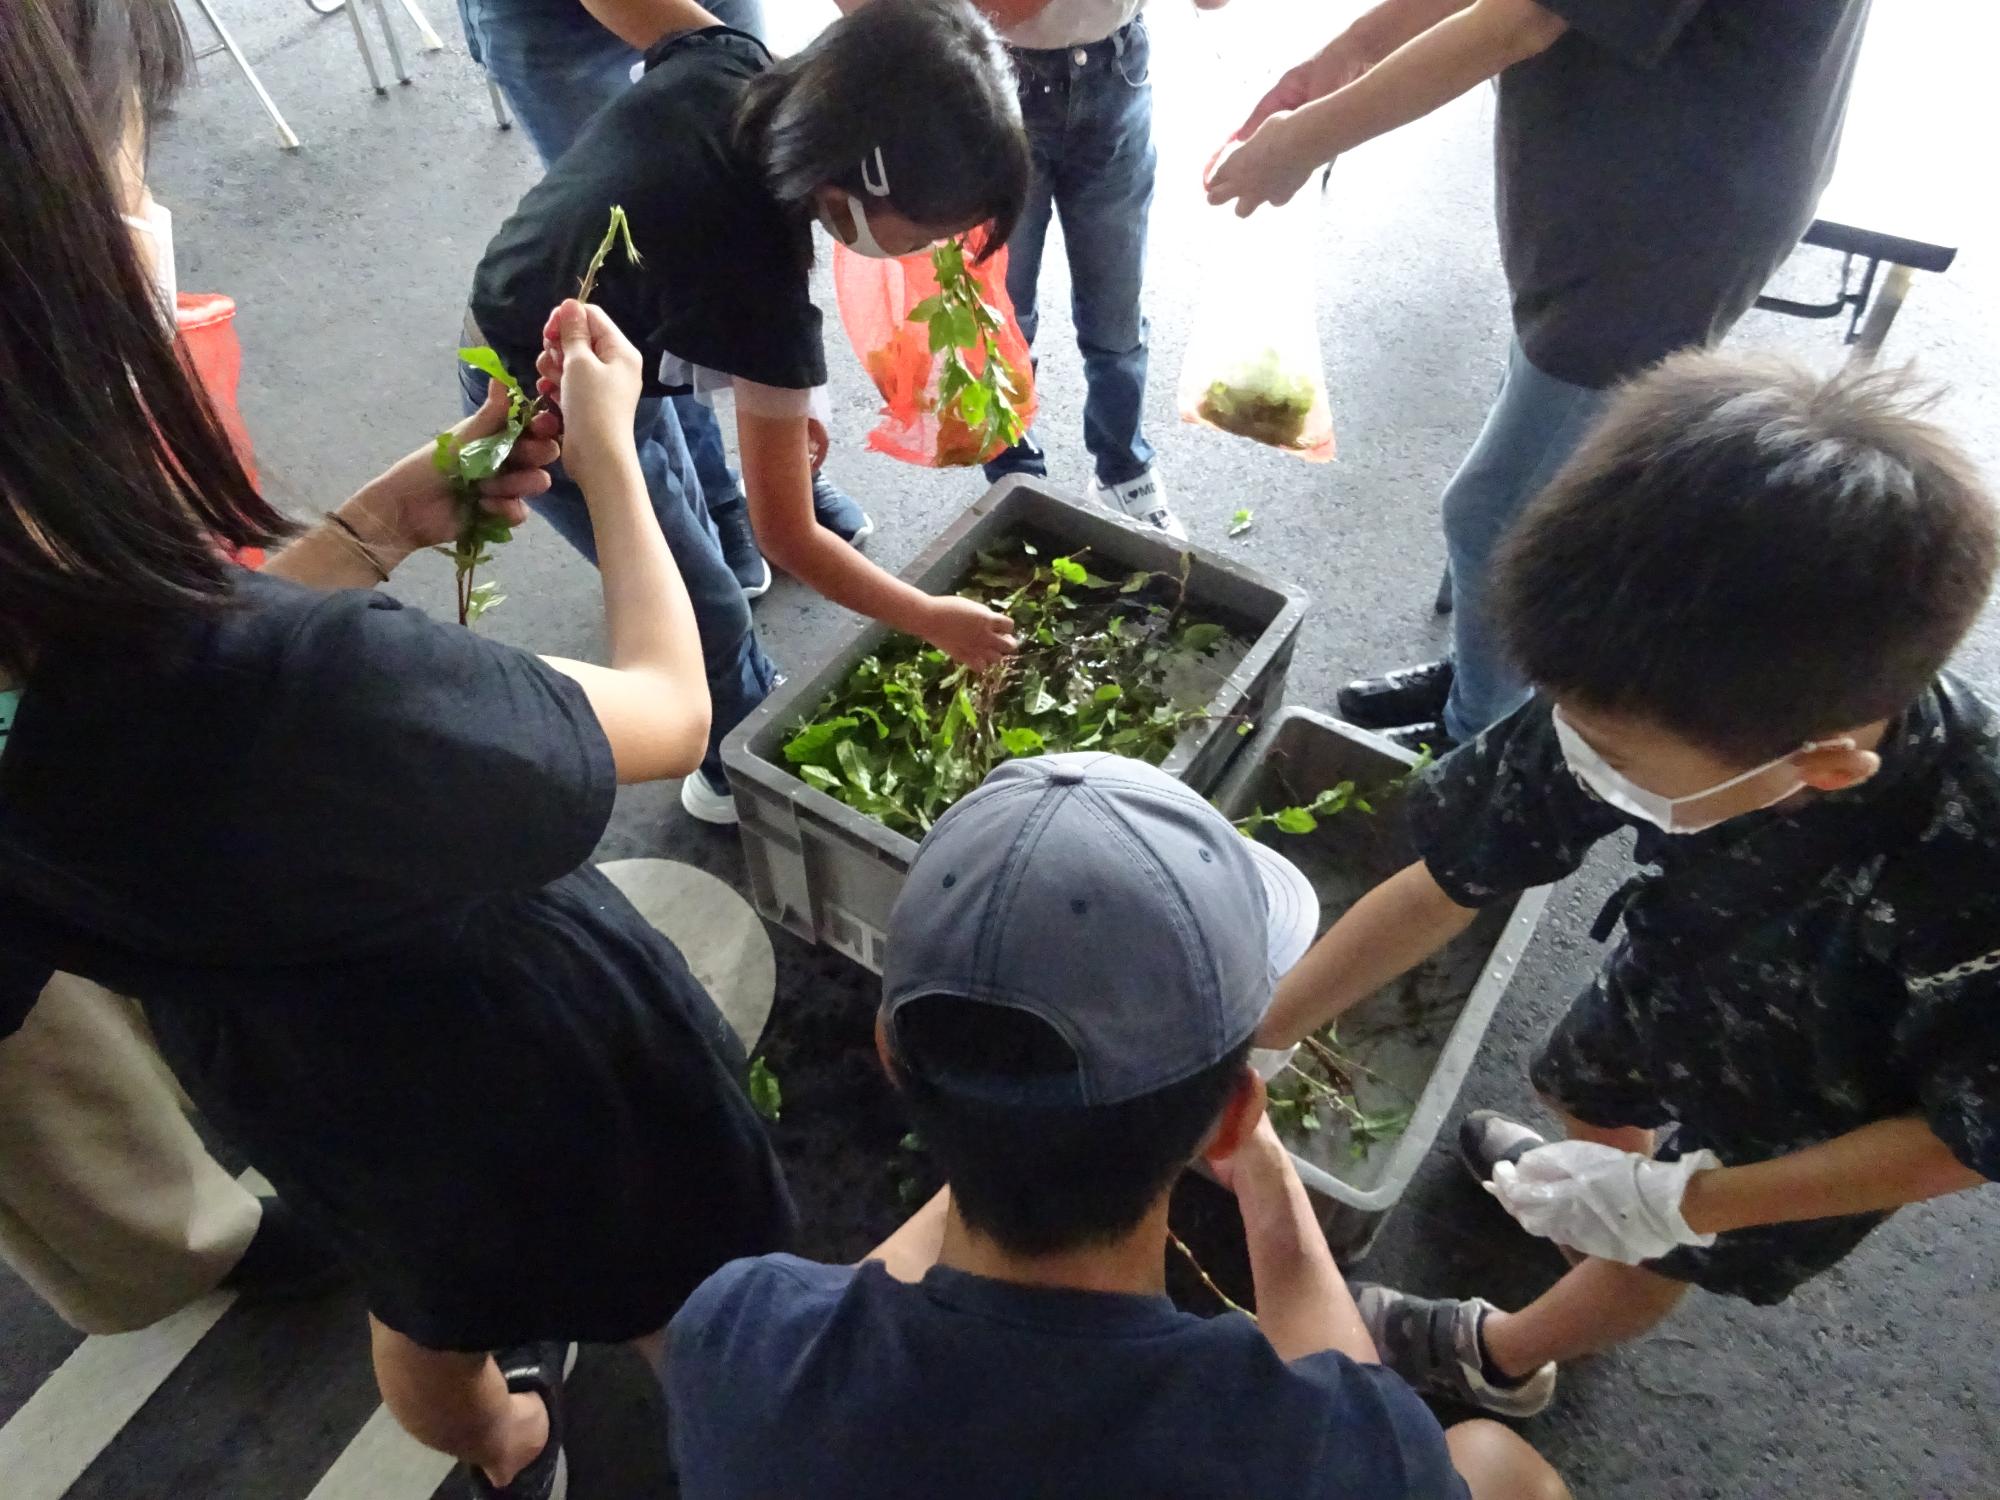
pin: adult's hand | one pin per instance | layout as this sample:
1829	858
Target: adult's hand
818	444
411	505
1270	167
1614	1204
591	369
1334	66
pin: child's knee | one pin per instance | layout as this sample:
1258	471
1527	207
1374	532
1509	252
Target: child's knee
1498	1464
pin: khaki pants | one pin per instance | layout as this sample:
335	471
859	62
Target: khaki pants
110	1206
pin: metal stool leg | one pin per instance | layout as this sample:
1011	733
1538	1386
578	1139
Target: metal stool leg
286	138
429	39
367	52
395	47
500	116
1875	327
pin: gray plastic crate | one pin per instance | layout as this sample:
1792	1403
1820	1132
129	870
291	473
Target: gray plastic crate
1297	754
826	872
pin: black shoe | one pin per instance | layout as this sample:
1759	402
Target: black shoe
1419	738
739	548
284	1261
1486	1138
1409	695
838	512
540	1369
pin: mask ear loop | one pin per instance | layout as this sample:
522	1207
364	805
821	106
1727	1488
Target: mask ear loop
877	183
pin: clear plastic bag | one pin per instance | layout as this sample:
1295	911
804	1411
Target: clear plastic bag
1253	365
909	364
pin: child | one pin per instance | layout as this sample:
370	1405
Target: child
896	128
338	850
1735	604
1087	98
1014	1337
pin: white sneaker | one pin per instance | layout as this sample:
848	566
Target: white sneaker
1143	499
705	804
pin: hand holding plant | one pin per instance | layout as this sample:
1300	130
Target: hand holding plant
593	373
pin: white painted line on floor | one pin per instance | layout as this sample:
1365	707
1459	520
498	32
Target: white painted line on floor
82	1407
382	1463
60	1430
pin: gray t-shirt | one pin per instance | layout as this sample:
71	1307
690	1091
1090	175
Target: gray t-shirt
1656	164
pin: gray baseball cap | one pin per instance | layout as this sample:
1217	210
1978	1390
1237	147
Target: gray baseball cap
1109	901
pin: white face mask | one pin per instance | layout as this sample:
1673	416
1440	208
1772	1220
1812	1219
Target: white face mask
1619	791
159	225
875	178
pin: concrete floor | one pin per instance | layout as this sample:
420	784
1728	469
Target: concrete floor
350	261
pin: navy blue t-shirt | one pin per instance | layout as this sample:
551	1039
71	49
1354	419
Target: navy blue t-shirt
788	1378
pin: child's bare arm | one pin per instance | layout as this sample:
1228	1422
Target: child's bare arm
1303	1304
913	1248
1396	926
640	23
1880	1166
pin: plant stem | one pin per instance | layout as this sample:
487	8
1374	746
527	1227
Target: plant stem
1209	1281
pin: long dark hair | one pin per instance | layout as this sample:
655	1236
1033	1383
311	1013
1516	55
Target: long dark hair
926	83
117	483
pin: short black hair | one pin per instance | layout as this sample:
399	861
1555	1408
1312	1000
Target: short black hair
1038	1179
1750	556
928	84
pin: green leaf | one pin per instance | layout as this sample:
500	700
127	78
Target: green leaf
972	405
812	741
484	596
482	458
855	766
1295	820
912	1142
1241	522
1106	694
1135	582
765	1096
444	457
927	309
1021	741
1201	636
1068	569
1309	1121
819	776
1244	728
484	359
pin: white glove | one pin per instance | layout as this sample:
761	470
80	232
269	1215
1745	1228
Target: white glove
1614	1204
1270	1061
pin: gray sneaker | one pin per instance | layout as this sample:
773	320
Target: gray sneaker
1434	1344
1486	1138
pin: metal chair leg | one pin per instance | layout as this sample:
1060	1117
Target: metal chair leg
395	47
1875	327
430	40
367	52
500	116
286	138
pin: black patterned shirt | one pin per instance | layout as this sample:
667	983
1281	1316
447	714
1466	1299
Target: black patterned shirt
1789	975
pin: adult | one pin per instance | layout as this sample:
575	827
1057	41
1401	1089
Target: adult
561	61
896	128
338	850
1655	160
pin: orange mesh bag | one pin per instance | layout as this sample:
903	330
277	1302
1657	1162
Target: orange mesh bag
927	327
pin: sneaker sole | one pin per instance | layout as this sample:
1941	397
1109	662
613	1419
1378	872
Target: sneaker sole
761	589
867	530
704	811
1471	1135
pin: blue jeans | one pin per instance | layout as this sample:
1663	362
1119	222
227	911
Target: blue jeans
1089	113
740	675
1536	423
558	67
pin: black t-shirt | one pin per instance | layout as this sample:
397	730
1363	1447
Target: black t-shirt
299	779
1789	975
723	282
789	1378
1656	165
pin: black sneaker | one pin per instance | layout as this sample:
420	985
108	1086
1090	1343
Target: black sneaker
1409	695
1486	1138
284	1261
739	548
1434	1344
537	1368
839	513
1417	738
